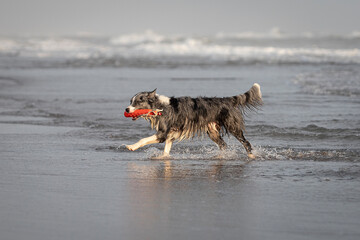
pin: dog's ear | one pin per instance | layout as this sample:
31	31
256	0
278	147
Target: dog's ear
152	94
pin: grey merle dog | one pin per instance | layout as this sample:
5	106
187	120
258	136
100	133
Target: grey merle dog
186	117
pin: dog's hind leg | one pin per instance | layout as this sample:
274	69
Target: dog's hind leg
143	142
240	136
214	134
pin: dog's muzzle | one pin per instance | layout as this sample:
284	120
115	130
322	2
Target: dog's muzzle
130	109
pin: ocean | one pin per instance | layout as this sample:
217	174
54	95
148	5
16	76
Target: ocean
65	173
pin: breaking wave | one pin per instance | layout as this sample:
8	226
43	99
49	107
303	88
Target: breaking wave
152	49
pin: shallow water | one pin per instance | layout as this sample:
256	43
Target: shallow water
294	119
65	173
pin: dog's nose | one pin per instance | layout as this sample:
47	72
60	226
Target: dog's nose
127	110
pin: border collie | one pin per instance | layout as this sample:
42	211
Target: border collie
186	117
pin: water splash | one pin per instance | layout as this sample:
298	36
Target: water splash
204	152
262	153
270	153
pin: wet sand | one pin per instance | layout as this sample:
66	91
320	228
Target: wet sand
52	187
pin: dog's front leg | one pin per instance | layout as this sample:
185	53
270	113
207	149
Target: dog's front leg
166	154
168	144
143	142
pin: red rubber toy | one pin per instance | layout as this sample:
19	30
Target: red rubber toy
139	112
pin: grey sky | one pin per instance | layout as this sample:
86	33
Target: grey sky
111	17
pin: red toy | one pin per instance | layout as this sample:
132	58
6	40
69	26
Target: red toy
140	112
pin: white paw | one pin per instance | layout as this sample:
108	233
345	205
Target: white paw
162	157
131	147
251	156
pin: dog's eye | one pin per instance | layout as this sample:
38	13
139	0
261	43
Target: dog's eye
141	98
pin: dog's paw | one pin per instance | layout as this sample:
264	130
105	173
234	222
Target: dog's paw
131	147
162	157
251	156
218	156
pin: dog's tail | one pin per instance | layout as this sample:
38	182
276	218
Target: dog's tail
251	99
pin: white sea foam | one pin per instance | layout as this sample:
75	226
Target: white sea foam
274	33
7	45
150	46
136	38
195	48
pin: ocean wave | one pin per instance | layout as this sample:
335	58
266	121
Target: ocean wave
137	38
150	48
194	48
277	34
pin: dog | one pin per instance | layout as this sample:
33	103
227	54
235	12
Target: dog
186	117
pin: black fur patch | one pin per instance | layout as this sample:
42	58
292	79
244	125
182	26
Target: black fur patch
247	96
174	102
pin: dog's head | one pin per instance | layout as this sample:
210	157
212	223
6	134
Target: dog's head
142	100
